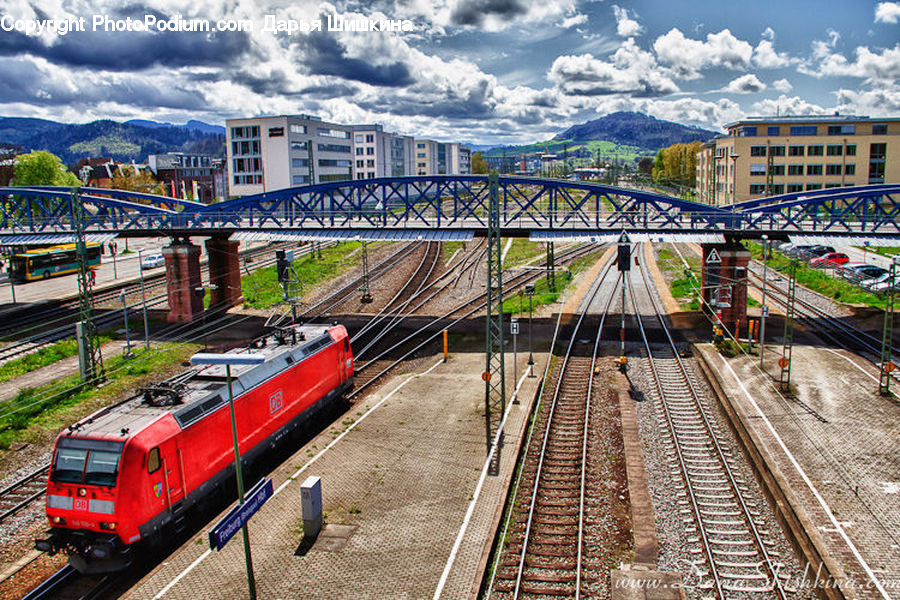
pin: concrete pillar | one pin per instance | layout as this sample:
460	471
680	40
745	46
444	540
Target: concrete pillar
183	281
224	272
724	283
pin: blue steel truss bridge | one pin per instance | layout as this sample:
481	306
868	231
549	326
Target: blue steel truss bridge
456	207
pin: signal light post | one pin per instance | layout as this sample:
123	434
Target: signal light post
624	262
228	359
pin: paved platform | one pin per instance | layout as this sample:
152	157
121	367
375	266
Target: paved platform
403	477
835	450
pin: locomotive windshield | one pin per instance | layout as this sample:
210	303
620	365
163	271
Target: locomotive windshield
91	462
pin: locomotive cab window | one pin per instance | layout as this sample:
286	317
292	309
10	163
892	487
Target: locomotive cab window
69	465
153	462
90	462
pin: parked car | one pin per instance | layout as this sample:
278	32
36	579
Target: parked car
796	251
862	272
829	260
816	251
885	285
870	283
151	261
848	269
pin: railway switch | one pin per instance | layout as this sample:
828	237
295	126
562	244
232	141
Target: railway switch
623	364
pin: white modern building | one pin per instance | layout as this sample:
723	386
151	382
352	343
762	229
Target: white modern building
379	153
270	153
438	158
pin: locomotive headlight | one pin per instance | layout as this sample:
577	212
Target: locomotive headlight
58	520
108	526
82	491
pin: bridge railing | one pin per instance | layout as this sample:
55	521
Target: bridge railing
555	220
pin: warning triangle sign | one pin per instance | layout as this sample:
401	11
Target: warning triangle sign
713	257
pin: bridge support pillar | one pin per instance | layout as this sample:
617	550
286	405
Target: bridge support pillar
183	281
224	273
724	283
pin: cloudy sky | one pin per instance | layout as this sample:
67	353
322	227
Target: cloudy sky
481	71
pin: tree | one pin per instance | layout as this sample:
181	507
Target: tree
134	180
677	164
43	168
645	166
8	154
479	164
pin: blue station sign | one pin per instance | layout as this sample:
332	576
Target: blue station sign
238	516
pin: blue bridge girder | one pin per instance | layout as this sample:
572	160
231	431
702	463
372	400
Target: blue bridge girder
456	202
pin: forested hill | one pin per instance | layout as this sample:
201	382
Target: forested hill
126	142
635	129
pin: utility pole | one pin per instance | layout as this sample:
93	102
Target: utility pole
764	310
494	370
785	361
144	302
551	267
90	359
887	336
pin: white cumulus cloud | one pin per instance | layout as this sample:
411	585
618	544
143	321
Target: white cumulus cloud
783	105
688	57
782	85
630	70
745	84
625	25
887	12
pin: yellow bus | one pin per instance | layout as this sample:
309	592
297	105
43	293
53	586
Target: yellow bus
42	263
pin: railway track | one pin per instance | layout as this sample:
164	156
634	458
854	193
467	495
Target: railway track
735	558
544	553
69	584
834	328
62	326
414	292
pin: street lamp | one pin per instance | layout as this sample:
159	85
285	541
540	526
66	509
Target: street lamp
228	359
733	156
716	158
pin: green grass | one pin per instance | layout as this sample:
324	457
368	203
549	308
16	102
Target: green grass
50	407
685	285
888	251
262	290
41	358
816	280
450	248
521	251
542	294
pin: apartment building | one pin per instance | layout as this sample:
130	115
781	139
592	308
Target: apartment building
200	175
767	156
438	158
270	153
378	153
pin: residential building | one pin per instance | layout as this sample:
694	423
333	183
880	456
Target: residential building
439	158
270	153
200	176
426	157
767	156
378	153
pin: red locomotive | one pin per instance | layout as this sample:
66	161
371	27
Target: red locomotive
130	473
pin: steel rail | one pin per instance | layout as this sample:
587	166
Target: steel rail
735	489
546	437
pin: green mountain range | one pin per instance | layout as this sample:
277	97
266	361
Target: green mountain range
626	135
126	142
